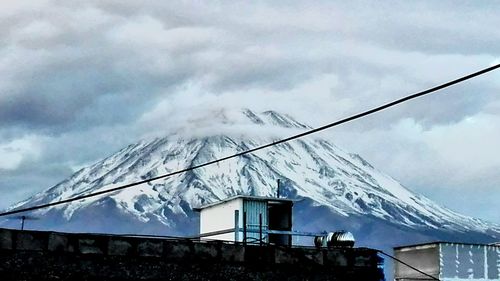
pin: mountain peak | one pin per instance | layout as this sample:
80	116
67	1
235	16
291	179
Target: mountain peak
283	120
312	170
245	116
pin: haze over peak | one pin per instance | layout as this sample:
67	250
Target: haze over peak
235	122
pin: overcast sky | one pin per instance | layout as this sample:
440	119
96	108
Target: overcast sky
81	79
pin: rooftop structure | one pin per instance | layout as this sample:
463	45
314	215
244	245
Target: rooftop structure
248	219
448	261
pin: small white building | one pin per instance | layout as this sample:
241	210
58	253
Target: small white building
225	220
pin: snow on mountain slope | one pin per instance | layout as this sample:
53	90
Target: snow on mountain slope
311	168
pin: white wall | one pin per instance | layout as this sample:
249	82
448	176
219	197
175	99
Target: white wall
220	217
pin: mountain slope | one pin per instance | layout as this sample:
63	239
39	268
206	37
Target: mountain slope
336	188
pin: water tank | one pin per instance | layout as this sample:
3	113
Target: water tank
335	239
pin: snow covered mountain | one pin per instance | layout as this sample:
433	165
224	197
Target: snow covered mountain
337	189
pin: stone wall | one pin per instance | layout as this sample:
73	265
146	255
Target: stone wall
36	255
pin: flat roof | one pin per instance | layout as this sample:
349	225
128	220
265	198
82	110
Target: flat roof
494	244
254	198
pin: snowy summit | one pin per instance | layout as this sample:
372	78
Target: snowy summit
336	189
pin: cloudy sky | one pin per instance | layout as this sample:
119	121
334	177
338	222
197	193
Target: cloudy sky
81	79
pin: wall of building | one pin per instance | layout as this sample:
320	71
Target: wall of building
425	258
31	255
220	217
466	262
449	262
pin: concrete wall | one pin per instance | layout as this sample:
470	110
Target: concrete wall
32	255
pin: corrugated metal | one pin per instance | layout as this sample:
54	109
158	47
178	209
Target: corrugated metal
493	262
465	262
450	262
253	209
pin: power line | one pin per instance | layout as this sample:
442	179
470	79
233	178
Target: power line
312	131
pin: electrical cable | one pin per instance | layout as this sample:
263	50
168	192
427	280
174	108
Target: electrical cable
342	121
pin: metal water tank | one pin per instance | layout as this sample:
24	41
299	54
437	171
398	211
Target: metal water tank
335	239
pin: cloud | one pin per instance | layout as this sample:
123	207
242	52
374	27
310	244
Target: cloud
71	64
14	152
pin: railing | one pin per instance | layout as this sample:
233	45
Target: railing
263	233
